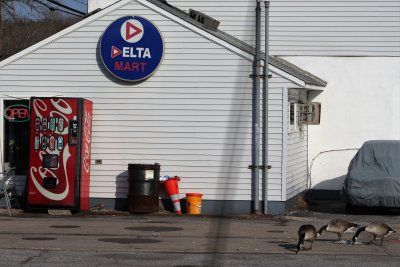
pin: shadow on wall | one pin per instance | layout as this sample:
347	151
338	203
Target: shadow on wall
331	184
327	190
122	186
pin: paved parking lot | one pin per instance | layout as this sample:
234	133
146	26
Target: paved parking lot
165	232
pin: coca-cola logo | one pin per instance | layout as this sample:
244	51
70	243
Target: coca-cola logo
53	108
17	113
87	121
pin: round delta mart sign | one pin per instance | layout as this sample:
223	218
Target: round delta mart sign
131	48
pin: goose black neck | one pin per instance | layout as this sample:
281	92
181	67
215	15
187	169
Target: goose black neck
359	231
323	228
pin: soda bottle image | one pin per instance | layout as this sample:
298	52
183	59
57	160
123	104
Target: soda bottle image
44	142
37	124
44	124
52	142
60	143
60	125
36	144
52	124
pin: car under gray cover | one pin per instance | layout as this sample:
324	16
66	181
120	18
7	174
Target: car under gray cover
373	177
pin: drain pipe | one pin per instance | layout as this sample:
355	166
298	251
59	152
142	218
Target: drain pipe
255	150
265	113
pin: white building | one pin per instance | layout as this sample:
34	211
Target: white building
193	115
353	45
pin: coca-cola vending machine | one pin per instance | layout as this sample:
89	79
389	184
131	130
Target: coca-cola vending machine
59	162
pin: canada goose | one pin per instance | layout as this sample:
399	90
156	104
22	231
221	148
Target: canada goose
307	232
377	229
338	226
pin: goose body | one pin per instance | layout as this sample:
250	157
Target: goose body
377	229
306	232
338	226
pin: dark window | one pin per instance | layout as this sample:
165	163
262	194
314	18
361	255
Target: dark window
16	135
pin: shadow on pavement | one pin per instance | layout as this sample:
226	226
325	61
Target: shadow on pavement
289	247
340	207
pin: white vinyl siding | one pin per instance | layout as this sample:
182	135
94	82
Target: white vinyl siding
275	139
277	121
297	162
193	116
312	28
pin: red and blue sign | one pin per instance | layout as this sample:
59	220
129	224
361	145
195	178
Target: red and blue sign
131	48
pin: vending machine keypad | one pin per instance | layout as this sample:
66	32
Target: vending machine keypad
73	132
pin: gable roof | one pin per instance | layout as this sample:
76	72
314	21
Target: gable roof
306	77
276	65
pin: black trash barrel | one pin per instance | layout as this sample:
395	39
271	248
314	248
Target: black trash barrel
143	190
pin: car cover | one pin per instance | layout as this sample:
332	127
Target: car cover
373	177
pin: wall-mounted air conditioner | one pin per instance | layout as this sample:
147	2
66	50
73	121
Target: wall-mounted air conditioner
310	113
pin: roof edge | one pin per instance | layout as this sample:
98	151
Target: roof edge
279	63
61	33
307	77
282	67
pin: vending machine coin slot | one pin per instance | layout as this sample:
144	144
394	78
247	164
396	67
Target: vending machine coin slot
50	182
73	133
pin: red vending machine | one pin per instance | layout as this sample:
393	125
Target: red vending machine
59	162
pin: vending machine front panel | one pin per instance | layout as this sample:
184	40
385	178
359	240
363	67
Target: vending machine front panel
54	167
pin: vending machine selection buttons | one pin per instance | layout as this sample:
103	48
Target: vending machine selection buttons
38	122
52	124
60	125
52	142
44	124
44	142
60	143
36	143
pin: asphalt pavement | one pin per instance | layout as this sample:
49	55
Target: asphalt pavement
164	232
167	232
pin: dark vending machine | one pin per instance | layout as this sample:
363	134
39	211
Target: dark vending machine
59	159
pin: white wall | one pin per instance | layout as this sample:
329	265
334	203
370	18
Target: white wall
330	28
301	27
296	162
193	116
361	102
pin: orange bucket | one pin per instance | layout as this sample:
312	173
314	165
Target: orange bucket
193	203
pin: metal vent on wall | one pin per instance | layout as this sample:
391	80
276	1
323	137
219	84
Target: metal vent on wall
207	21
